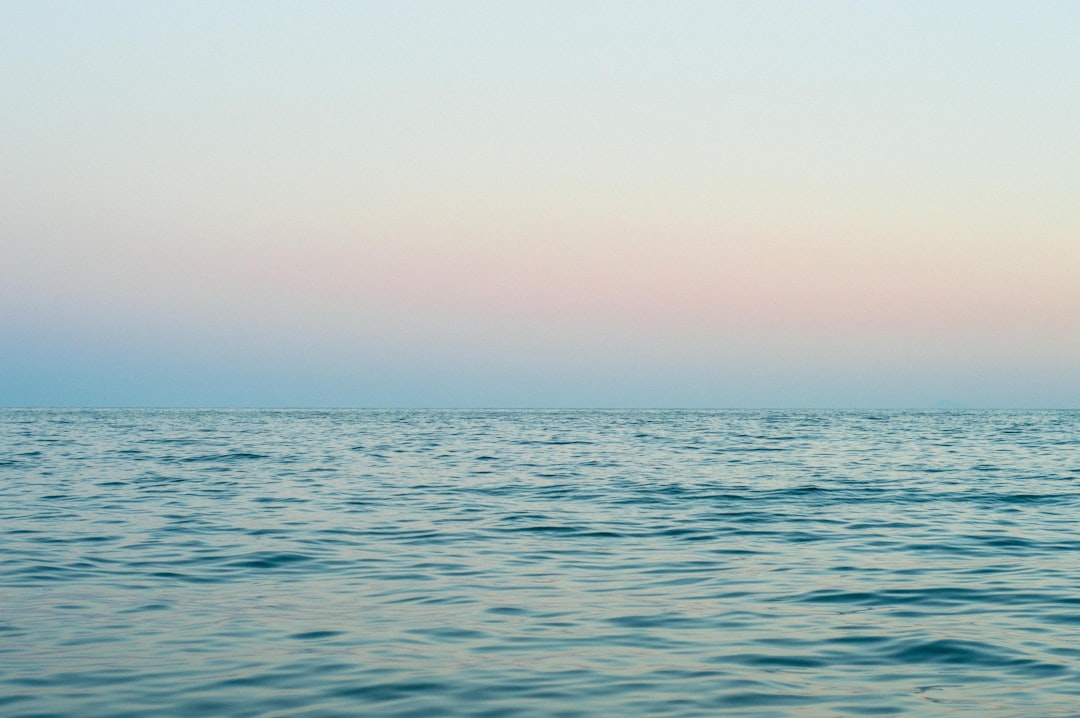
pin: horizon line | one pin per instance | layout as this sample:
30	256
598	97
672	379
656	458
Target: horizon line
187	407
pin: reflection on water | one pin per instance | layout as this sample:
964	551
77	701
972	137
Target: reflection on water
539	562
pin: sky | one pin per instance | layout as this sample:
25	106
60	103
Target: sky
540	204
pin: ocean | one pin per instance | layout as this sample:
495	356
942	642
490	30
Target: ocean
539	563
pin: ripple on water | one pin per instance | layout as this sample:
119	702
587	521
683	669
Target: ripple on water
538	563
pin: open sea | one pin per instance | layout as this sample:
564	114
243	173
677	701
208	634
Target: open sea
539	563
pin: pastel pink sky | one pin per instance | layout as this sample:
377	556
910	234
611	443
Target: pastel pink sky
490	204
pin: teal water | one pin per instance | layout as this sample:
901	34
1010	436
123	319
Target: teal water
539	563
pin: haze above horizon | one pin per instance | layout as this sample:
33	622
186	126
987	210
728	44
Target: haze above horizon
500	204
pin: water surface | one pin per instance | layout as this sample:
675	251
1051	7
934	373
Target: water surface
539	563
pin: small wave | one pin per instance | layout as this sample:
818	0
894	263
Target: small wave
234	456
271	560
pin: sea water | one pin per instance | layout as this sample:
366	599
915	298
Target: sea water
539	563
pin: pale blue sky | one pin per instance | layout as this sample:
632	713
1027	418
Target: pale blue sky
540	204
